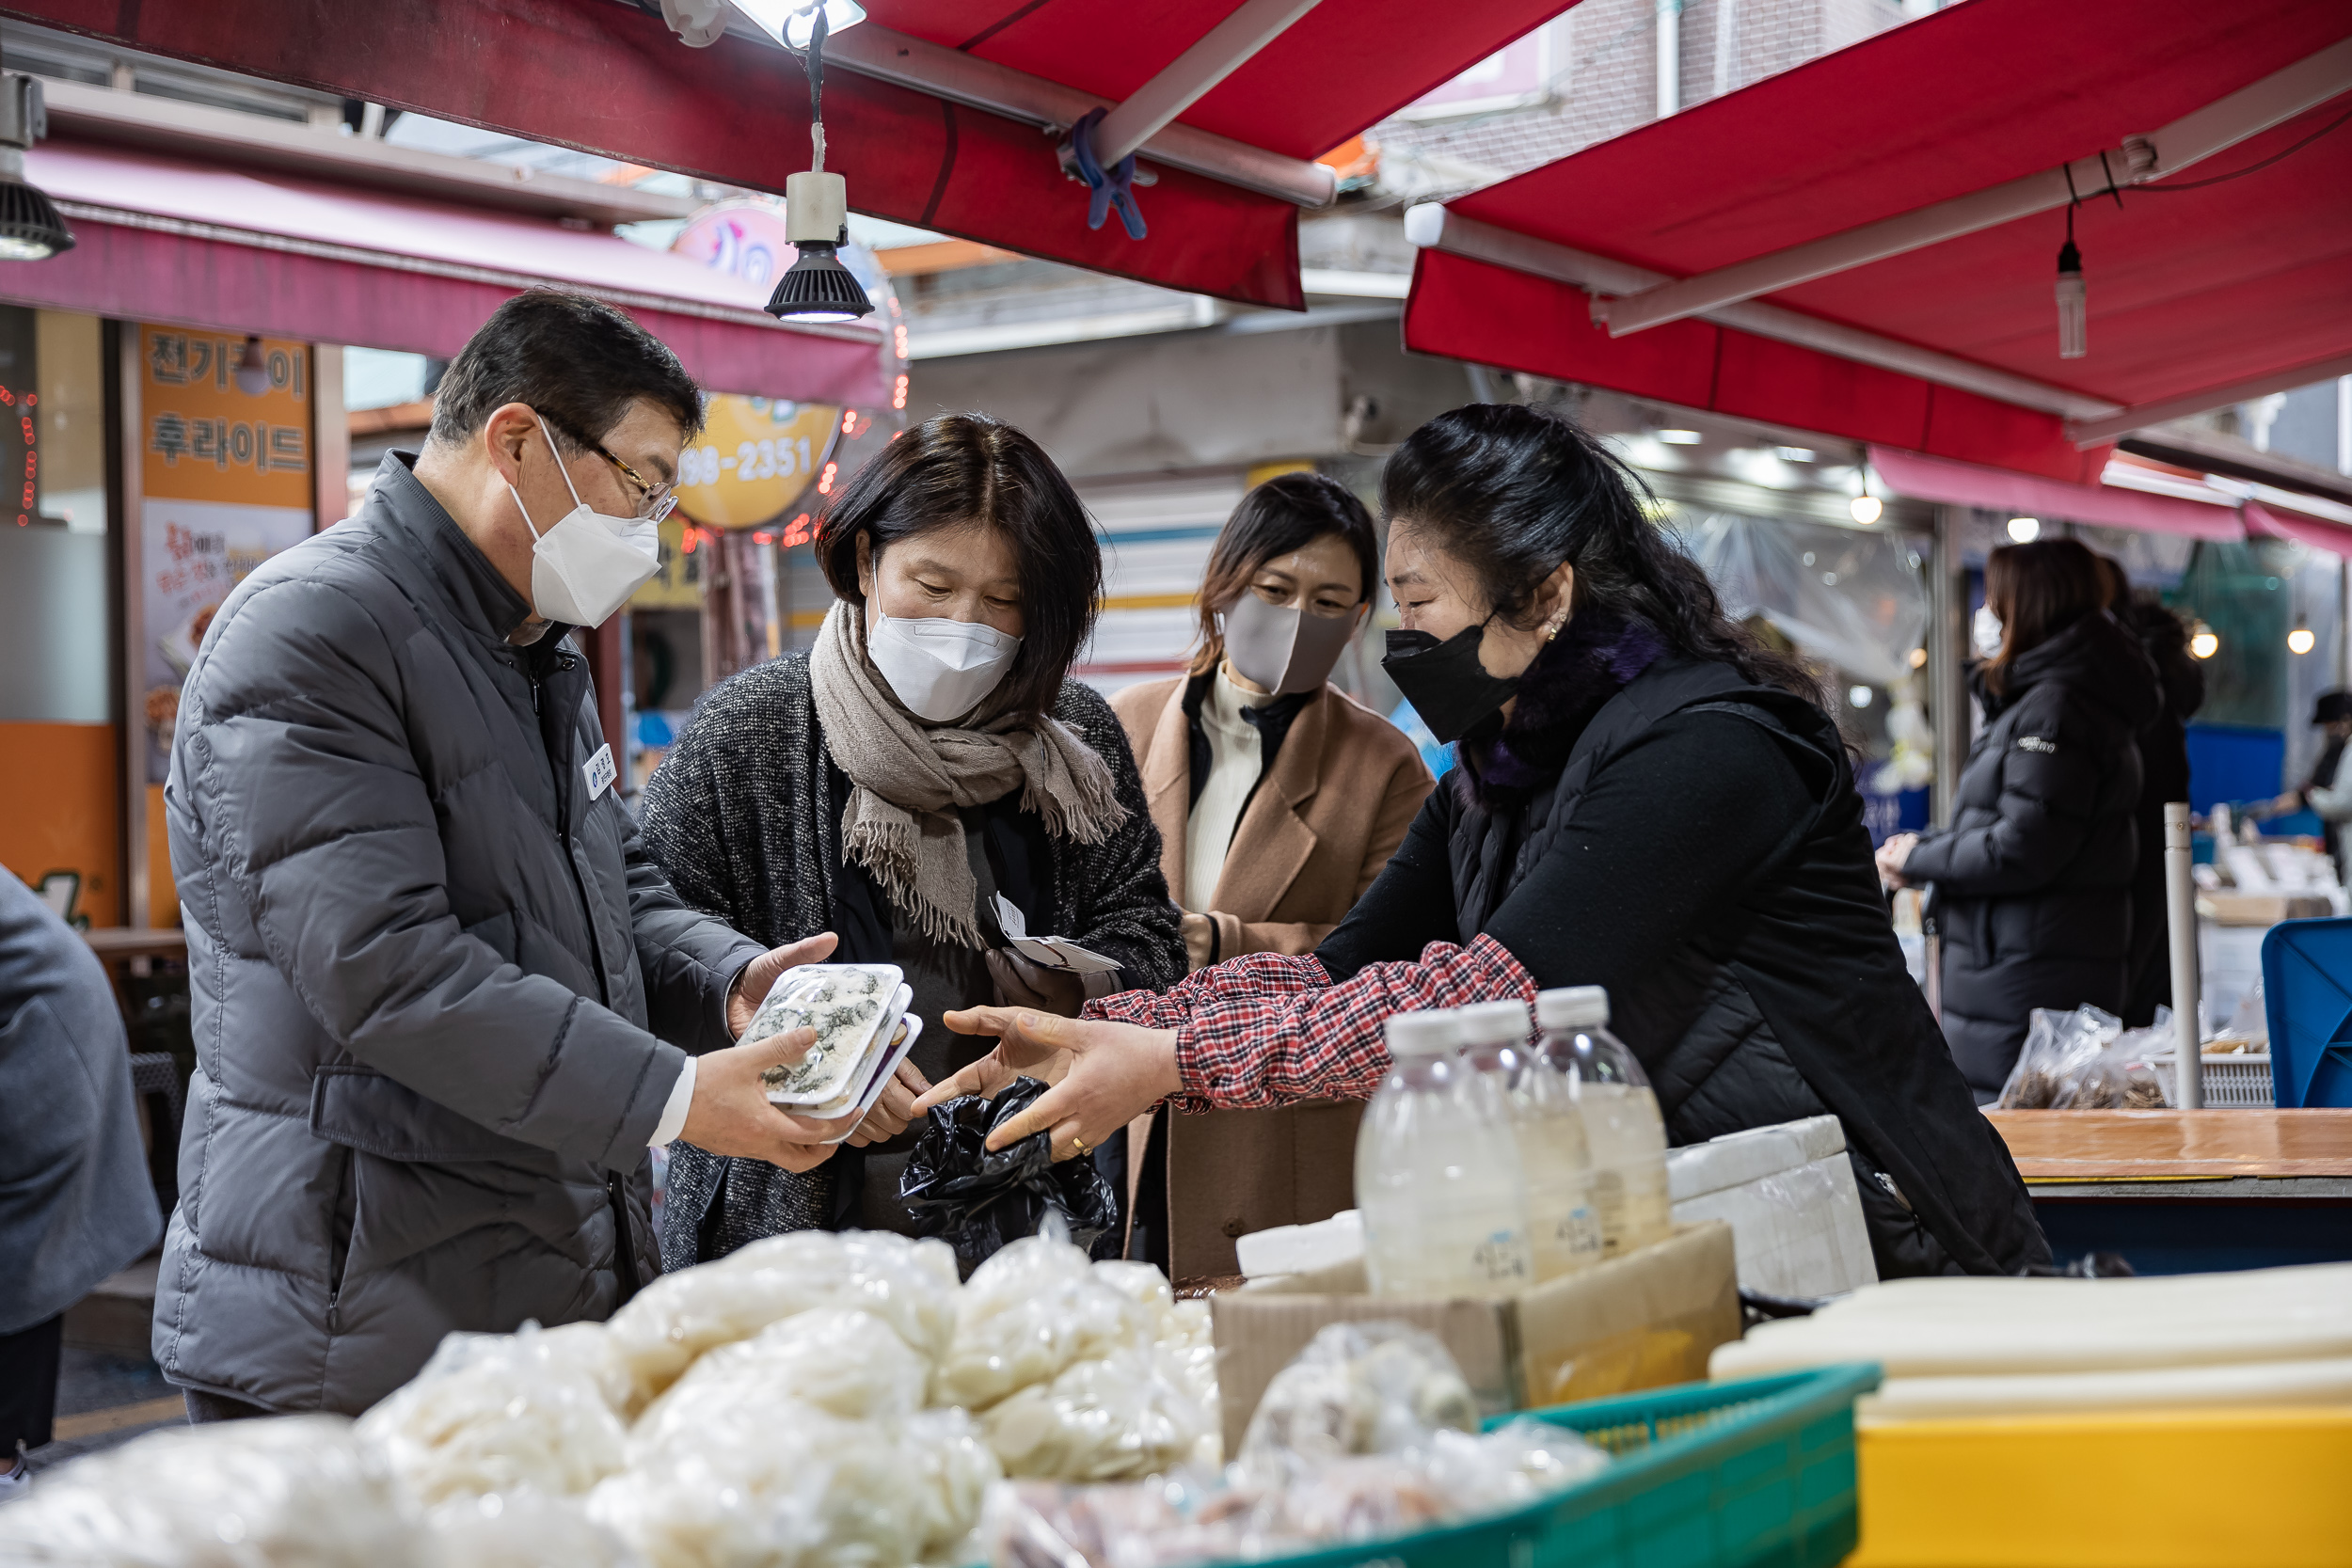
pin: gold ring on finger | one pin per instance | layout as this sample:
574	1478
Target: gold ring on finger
1079	1142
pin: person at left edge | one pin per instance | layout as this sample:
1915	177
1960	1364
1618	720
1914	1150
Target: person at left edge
442	1000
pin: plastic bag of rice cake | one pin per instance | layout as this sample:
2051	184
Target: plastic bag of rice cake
845	1363
1030	1310
492	1412
909	1285
1121	1418
293	1489
753	1480
522	1529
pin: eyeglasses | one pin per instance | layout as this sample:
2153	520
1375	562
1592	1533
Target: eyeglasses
653	502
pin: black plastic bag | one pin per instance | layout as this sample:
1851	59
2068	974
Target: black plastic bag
977	1201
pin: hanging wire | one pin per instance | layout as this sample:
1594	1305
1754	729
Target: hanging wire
2251	168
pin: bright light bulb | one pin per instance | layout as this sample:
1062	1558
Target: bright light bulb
2025	529
1919	658
794	21
1859	696
1795	455
2301	640
2204	644
1680	437
1866	508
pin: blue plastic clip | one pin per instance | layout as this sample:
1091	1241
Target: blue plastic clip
1104	190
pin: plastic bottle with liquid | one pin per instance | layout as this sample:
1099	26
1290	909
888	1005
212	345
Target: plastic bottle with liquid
1437	1178
1555	1158
1627	1134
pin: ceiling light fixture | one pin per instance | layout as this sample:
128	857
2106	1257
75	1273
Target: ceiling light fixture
2024	530
2301	640
1866	508
30	228
1794	454
1680	437
2202	643
817	287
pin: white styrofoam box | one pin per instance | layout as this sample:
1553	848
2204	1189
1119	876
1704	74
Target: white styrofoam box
1301	1248
1788	1192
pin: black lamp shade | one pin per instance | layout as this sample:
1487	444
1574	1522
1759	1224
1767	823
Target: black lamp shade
817	287
30	228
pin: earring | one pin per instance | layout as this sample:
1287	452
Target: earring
1551	628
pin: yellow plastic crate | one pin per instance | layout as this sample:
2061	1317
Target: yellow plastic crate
2244	1488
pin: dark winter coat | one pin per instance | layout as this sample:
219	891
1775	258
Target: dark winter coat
76	1202
433	977
1659	825
745	817
2163	777
2032	882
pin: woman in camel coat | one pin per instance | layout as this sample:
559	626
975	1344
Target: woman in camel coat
1277	799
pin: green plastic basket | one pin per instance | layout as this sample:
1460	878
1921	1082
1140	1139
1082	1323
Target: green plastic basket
1754	1474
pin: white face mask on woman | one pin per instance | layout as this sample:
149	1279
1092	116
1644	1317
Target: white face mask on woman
940	669
587	563
1986	632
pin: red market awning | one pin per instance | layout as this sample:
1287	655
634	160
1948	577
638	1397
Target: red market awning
169	241
932	107
2199	296
1937	479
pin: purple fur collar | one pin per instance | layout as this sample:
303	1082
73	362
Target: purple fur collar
1595	657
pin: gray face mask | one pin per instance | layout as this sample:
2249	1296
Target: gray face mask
1281	647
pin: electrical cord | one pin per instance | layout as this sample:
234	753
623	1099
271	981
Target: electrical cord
2251	168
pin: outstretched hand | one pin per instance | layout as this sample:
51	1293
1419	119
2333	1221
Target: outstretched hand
1112	1073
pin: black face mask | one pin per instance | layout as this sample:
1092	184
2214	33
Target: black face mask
1445	683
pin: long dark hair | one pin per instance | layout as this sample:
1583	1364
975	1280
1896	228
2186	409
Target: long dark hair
961	470
1512	492
2037	591
1287	512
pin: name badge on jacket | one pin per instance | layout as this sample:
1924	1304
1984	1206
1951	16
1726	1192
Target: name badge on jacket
600	771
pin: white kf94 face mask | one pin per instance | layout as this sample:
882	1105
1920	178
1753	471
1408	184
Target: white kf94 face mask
1985	630
587	563
940	669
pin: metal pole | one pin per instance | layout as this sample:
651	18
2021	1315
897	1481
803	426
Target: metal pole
2180	892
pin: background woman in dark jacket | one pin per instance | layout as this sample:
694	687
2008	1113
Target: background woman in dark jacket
2032	882
928	753
1647	801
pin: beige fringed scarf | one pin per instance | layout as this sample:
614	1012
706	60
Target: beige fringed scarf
908	778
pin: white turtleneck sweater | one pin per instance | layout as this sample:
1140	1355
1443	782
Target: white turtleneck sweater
1234	763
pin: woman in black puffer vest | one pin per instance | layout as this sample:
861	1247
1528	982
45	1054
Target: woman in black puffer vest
2032	882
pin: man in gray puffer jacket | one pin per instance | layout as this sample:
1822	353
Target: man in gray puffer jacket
443	1001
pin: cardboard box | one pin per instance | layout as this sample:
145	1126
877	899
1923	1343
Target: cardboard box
1642	1320
2261	909
1788	1192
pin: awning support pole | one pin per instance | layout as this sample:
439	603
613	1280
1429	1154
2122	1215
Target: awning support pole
960	78
2179	902
2093	432
1431	226
2221	124
1221	51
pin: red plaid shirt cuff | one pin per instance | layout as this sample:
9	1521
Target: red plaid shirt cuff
1270	1029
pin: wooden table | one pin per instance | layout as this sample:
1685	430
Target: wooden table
2180	1192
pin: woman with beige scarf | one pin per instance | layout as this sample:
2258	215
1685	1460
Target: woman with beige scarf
928	755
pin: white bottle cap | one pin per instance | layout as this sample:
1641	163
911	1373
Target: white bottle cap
1572	1007
1429	1034
1494	1023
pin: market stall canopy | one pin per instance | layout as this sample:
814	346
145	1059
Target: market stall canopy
168	240
1867	246
932	107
